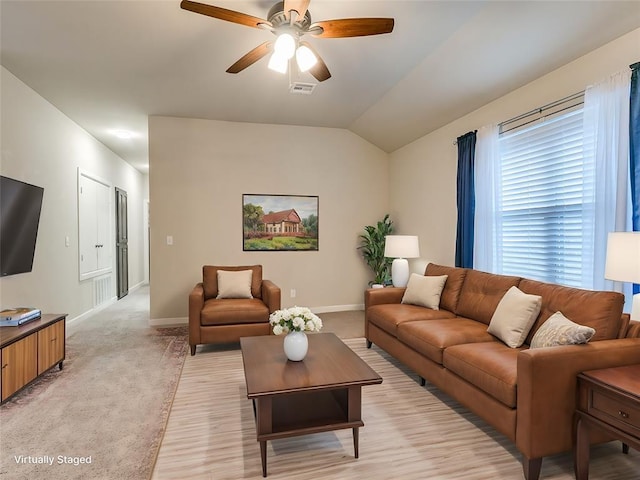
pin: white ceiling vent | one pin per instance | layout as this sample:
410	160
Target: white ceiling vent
302	88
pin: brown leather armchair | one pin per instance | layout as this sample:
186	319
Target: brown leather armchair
213	320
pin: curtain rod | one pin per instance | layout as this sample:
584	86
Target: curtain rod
536	119
538	111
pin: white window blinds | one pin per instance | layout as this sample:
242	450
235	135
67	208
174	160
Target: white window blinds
547	190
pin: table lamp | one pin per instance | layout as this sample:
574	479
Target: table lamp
623	263
401	247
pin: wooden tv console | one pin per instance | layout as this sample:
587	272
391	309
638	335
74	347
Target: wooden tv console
30	350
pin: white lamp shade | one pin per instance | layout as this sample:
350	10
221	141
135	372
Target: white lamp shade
623	257
285	45
401	246
278	63
305	58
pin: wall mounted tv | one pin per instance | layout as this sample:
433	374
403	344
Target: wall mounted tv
20	205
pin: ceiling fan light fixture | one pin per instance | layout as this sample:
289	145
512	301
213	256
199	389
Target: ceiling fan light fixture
290	20
278	63
305	58
285	45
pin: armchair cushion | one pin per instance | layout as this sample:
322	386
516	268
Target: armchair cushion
210	279
233	311
234	284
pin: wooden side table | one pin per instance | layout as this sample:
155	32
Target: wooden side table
609	400
29	350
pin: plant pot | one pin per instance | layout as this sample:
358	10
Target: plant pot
377	285
296	345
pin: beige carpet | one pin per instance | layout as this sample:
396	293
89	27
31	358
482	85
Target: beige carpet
410	432
109	403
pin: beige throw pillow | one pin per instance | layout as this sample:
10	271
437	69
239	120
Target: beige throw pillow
234	284
559	330
424	290
514	317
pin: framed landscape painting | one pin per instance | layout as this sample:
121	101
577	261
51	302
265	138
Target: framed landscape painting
279	222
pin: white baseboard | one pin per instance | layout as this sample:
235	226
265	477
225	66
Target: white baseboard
93	311
102	306
338	308
137	286
168	322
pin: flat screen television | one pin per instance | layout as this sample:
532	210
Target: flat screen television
20	205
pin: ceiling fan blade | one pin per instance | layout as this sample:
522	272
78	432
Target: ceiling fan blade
224	14
250	58
353	27
319	70
299	6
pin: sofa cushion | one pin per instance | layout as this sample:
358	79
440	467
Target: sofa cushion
451	291
481	292
231	311
424	291
234	284
389	316
491	367
559	330
210	279
596	309
431	337
514	316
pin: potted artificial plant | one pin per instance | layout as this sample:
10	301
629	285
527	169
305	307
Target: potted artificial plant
372	248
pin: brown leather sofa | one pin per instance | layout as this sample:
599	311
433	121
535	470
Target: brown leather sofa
526	394
225	320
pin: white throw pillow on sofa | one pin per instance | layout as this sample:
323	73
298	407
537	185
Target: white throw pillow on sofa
559	330
234	284
424	290
514	317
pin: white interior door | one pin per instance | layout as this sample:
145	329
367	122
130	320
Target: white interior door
94	226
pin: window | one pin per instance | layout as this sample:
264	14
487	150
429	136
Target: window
551	184
546	201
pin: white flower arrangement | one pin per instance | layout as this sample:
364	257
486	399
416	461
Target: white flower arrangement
294	319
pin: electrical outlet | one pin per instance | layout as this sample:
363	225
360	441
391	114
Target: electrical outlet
169	240
293	293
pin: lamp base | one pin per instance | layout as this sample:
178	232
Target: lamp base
400	272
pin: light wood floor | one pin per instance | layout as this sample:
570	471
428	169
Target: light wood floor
410	432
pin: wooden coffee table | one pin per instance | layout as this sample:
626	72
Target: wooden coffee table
319	394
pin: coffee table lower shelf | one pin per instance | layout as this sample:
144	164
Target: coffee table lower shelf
304	413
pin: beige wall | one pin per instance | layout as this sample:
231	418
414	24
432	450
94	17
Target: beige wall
423	173
40	145
199	170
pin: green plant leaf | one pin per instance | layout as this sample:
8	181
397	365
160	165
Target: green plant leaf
372	249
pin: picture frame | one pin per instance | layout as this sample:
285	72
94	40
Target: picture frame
275	222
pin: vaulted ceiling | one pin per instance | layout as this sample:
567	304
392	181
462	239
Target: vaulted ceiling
108	65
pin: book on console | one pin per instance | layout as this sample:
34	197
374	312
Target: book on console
17	316
16	323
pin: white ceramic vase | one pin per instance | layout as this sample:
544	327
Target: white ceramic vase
296	346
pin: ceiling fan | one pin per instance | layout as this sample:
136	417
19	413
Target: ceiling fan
290	20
